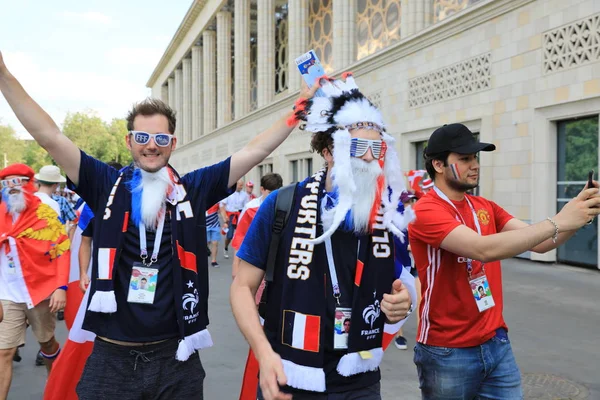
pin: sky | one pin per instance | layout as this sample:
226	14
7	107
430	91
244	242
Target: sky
85	55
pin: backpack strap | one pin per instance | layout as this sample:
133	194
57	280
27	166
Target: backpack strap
283	207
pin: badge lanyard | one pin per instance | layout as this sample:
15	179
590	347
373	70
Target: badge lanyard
477	226
331	263
157	239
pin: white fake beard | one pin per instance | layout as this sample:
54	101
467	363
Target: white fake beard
154	187
365	179
16	203
365	176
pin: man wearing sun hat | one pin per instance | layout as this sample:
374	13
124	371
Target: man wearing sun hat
34	269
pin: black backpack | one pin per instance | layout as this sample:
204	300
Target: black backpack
283	206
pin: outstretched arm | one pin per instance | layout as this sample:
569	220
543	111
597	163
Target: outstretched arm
39	124
263	144
511	242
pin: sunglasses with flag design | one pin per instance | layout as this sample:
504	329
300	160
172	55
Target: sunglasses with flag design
359	147
12	182
143	138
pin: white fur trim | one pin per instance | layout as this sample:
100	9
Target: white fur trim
358	111
342	180
394	221
316	117
303	377
104	302
353	363
189	344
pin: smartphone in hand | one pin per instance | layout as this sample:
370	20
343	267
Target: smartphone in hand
310	68
590	182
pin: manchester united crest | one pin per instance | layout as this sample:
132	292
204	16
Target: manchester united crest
483	216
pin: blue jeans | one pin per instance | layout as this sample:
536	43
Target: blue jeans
487	371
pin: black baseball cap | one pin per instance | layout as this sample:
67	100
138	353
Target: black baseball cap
455	138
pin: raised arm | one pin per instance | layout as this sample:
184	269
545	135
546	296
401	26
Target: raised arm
509	243
39	124
263	144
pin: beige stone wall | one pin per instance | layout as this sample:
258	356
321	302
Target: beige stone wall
513	103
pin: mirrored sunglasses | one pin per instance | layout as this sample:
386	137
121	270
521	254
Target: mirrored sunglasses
16	181
142	138
359	147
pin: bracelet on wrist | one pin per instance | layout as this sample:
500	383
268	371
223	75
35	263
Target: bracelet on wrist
555	236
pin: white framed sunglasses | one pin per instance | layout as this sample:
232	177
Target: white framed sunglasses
359	147
142	138
16	181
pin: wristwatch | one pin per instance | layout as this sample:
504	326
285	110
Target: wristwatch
410	310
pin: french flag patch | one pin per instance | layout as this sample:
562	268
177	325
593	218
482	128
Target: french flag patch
301	331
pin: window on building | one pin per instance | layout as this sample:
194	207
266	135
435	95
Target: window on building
300	168
294	170
264	169
378	25
420	147
281	47
321	31
577	154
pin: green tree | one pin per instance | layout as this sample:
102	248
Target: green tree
11	148
101	140
118	130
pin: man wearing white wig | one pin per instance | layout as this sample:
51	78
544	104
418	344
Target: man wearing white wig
335	260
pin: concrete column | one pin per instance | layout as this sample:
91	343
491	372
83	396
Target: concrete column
187	99
297	40
422	13
266	51
344	33
242	58
197	92
171	85
164	93
407	21
179	103
223	68
209	59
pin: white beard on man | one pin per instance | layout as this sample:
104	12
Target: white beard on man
15	200
149	192
363	190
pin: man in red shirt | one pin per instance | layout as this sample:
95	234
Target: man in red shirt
458	240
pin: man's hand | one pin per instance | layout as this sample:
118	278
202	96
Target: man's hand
272	376
580	210
58	300
84	281
396	305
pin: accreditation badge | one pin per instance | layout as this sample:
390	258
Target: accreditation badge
142	285
481	291
341	327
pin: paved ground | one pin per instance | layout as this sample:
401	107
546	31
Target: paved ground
552	311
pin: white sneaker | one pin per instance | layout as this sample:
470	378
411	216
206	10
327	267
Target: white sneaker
225	254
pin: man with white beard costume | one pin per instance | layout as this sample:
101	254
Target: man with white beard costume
34	269
147	226
335	259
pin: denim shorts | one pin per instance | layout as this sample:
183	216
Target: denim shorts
213	234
